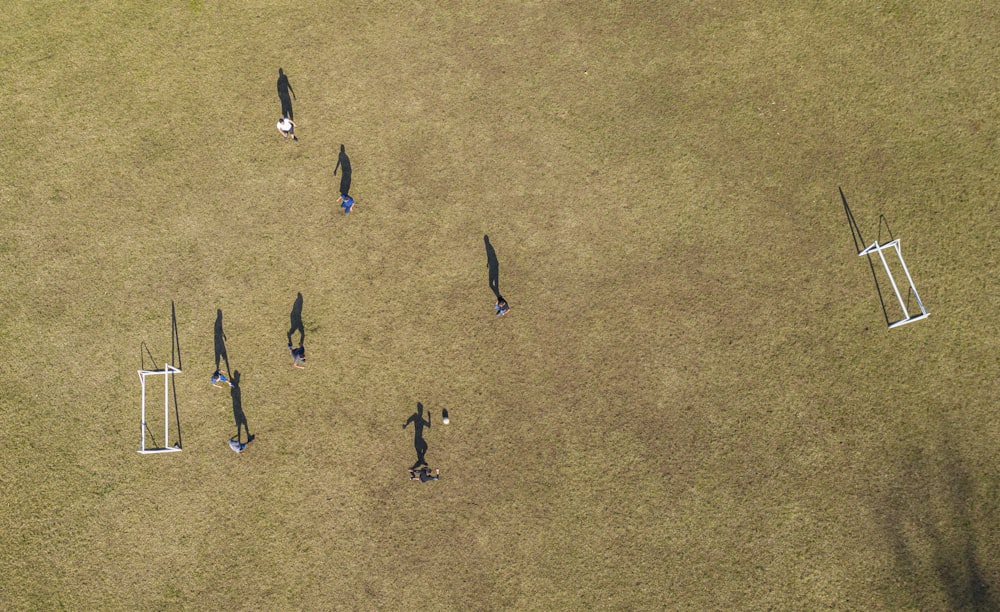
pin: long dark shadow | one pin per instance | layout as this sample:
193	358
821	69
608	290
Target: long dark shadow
858	242
344	164
284	87
220	343
175	340
296	321
238	415
419	443
493	268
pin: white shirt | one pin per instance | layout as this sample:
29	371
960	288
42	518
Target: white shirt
285	125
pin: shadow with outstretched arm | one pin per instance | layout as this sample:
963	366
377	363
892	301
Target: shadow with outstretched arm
419	443
344	164
238	415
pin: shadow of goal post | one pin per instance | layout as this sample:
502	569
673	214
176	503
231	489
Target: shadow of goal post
878	248
167	372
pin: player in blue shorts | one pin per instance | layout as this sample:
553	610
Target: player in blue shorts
298	356
219	377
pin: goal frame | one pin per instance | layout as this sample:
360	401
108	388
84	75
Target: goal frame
167	372
879	248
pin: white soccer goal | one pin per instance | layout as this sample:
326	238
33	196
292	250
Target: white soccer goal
167	372
880	249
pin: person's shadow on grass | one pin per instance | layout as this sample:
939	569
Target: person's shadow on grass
296	322
220	343
238	415
493	268
344	164
283	88
419	443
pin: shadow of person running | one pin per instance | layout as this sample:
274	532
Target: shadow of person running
220	343
296	321
419	443
238	415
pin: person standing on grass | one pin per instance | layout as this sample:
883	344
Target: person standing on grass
298	356
283	88
501	307
286	127
344	162
219	377
237	446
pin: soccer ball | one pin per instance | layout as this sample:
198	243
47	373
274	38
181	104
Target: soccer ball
445	420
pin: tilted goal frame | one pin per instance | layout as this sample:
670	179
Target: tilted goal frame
876	247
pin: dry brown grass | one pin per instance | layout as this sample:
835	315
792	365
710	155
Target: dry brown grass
694	403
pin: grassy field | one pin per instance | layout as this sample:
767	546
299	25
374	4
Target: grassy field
694	402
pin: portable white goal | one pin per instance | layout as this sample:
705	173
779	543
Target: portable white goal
167	373
880	248
907	317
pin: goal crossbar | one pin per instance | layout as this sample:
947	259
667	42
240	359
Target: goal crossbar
167	372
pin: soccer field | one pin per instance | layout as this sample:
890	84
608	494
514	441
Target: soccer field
693	403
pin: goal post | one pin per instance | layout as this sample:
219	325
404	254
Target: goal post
167	372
